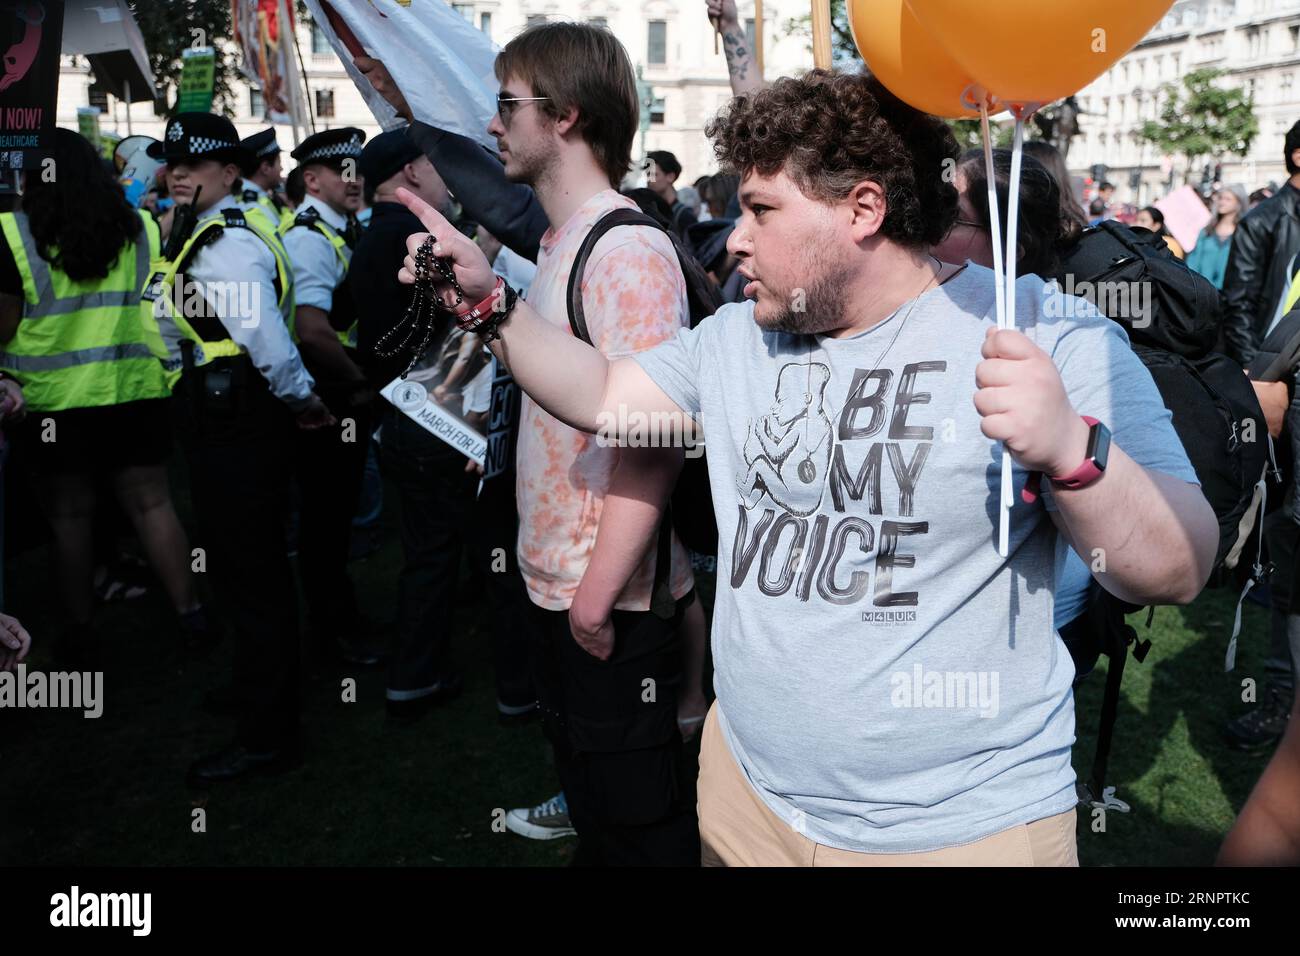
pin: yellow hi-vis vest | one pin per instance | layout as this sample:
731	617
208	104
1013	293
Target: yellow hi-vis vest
347	336
168	325
80	343
283	218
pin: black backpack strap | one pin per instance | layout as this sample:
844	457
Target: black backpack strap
611	220
1116	635
662	602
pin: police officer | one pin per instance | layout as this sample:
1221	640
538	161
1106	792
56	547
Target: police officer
331	461
263	178
70	332
219	300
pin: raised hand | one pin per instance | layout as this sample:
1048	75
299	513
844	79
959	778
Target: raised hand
469	265
379	77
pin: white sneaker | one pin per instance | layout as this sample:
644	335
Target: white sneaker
546	821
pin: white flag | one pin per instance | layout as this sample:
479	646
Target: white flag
439	60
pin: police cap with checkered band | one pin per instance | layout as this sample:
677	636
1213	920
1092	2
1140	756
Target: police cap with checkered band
192	136
330	146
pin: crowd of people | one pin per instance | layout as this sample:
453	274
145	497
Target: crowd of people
824	308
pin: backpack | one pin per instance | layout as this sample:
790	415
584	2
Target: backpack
690	508
1216	416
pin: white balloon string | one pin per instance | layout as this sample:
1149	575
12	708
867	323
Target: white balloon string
1006	487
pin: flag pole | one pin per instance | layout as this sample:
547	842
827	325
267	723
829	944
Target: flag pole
821	30
758	36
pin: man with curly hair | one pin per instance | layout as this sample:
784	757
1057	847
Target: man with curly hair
890	689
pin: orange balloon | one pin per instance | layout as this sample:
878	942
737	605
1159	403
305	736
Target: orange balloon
1037	51
908	59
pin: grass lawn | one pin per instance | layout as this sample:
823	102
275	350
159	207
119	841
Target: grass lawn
111	791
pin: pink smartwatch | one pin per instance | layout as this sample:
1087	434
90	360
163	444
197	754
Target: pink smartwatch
1093	467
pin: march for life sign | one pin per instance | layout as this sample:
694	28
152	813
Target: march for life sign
441	62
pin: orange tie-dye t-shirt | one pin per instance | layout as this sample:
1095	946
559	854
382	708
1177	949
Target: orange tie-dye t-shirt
633	298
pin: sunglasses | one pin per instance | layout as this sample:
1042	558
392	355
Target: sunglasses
506	105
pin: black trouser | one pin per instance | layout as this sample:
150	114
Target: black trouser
240	469
613	727
331	463
496	532
437	511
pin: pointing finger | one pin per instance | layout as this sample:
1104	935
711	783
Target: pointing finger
432	219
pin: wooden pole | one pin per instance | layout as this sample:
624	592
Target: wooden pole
821	29
758	36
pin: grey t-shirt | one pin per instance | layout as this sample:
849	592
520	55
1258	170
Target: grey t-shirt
888	682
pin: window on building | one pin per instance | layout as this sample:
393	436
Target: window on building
749	33
256	106
1287	84
657	42
1253	42
657	110
535	18
1295	37
325	103
466	10
319	42
98	98
599	22
485	24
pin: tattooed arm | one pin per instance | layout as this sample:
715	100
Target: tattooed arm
741	65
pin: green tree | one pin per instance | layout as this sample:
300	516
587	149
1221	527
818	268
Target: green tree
843	50
1203	118
168	28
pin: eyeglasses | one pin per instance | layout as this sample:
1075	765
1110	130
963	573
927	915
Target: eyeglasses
506	105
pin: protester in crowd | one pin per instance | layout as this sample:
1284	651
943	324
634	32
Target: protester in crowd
1096	212
240	389
690	198
15	642
72	264
1054	163
513	208
435	492
567	131
1209	256
1261	267
1259	195
1261	261
662	173
13	406
720	195
1153	220
799	762
330	461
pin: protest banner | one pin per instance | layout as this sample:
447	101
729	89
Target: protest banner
440	61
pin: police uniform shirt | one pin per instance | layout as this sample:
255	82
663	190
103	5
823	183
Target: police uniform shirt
317	270
240	256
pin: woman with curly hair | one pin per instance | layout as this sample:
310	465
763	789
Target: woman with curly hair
73	264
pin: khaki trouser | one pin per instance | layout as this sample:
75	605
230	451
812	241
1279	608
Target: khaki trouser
738	829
